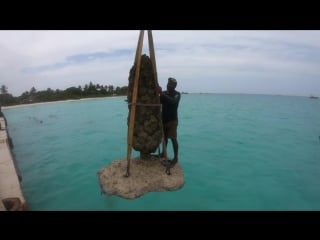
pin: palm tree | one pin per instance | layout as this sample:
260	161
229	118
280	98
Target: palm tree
33	90
4	89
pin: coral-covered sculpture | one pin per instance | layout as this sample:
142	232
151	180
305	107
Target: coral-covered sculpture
148	125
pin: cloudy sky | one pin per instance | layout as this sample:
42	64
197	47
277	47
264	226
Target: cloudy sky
254	62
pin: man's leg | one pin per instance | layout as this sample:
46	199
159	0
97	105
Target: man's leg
170	131
164	147
175	150
170	164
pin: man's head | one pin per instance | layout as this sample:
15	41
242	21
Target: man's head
172	84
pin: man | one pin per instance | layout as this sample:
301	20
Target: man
170	101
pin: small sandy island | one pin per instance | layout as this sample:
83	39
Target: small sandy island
145	176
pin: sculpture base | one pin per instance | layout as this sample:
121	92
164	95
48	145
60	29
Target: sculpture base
145	176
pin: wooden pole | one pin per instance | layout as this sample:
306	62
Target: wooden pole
134	100
154	66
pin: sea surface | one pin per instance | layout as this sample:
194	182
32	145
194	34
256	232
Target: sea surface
238	152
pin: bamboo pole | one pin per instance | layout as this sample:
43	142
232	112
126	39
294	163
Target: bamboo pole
134	100
154	66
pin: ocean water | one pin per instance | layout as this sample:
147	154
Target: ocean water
238	152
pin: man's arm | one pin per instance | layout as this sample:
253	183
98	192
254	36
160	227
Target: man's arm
168	99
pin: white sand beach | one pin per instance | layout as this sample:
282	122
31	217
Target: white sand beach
71	100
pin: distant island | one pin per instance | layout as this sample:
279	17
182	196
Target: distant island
72	93
313	97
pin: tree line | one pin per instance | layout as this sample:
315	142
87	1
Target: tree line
87	91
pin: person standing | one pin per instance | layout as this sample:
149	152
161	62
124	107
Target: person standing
170	102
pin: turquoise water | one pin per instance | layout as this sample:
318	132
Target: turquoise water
238	152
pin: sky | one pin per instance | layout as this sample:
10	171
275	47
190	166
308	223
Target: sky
254	62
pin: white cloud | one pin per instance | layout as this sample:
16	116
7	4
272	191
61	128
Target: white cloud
270	62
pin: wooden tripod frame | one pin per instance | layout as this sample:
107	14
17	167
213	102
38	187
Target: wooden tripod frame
135	94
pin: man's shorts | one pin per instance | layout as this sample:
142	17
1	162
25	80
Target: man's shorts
170	129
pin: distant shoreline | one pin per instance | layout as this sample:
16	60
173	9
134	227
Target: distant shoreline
70	100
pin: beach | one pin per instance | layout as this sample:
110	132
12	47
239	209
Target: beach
70	100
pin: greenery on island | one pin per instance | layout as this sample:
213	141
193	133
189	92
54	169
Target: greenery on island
33	96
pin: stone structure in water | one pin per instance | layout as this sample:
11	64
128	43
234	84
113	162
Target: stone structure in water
148	125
